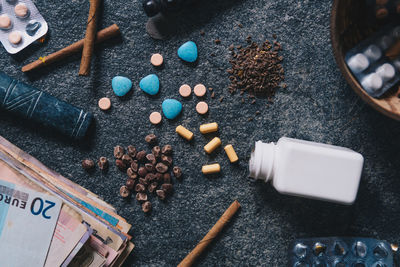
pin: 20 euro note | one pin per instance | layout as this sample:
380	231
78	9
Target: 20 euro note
27	222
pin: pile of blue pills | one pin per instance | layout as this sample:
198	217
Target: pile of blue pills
340	252
375	72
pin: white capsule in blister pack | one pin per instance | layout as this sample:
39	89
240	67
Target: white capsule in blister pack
372	82
20	24
373	52
358	62
386	72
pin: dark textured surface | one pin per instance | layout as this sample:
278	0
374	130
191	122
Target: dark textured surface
317	105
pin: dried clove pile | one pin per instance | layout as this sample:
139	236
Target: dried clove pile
148	173
256	69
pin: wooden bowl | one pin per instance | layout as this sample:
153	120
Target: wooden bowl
349	25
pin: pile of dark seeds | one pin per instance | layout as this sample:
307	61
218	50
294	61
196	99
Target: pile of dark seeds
256	69
148	173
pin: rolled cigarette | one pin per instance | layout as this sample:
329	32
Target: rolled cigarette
201	246
101	36
90	35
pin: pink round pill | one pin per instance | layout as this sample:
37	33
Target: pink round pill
5	22
199	90
15	37
21	10
155	117
185	90
202	107
157	60
104	103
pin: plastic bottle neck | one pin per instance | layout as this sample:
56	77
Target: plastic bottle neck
261	165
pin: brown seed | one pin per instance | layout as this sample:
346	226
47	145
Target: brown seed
212	95
118	152
127	159
87	164
167	160
150	177
161	167
167	188
177	172
131	151
141	197
221	99
151	158
149	167
202	33
131	174
167	150
146	206
103	163
152	187
140	188
124	191
141	156
130	183
142	171
156	151
134	166
159	177
217	41
143	181
151	139
161	194
240	25
120	164
258	113
167	178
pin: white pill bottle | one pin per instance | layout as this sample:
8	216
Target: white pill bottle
308	169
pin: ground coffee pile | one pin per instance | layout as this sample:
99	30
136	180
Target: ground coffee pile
256	69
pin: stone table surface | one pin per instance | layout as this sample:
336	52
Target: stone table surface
317	105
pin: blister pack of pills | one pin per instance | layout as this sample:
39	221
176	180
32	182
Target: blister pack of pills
340	252
20	24
375	72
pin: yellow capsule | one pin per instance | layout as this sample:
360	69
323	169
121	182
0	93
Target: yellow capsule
231	153
210	169
185	133
209	128
212	145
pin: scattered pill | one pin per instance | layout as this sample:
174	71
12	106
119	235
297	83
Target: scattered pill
202	107
185	90
212	145
188	52
121	85
150	84
210	169
21	10
5	22
199	90
104	103
155	117
209	128
157	60
185	133
15	37
171	108
231	153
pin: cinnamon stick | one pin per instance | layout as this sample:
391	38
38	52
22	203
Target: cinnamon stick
201	246
101	36
90	36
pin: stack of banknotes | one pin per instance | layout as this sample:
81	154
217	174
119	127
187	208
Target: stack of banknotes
48	220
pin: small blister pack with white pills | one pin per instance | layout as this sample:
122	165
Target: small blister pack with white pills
341	252
20	24
375	72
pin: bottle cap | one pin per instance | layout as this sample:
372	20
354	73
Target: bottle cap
262	161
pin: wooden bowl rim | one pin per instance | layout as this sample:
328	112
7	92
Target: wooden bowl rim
347	73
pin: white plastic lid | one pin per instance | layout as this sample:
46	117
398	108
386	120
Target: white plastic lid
262	161
358	63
